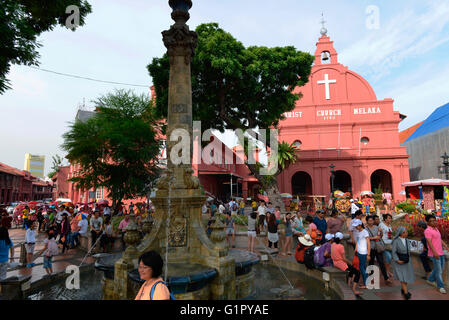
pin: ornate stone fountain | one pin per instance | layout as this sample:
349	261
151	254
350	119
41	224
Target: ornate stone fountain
199	267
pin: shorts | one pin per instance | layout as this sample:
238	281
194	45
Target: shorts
252	234
387	256
48	262
229	232
29	248
261	219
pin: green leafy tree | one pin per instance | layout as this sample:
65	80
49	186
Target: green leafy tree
118	147
234	87
22	21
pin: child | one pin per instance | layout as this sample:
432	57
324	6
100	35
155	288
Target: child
273	236
50	250
252	220
288	235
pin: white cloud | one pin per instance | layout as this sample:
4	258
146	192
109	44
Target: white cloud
407	35
418	99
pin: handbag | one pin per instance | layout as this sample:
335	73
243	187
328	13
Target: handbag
378	245
404	257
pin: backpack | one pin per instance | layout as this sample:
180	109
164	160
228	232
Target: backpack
172	297
235	208
309	257
52	248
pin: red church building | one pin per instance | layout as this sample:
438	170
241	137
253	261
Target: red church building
339	121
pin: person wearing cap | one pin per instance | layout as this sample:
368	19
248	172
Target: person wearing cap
424	255
402	262
341	262
353	232
323	253
363	249
305	242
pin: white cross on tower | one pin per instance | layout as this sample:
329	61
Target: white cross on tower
326	82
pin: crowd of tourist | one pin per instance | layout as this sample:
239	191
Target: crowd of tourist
63	227
318	238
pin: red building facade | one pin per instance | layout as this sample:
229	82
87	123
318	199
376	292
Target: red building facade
339	121
20	185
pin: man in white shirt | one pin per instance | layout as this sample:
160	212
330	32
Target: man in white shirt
84	225
221	208
262	214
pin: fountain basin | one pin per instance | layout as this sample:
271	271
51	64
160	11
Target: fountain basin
244	261
183	277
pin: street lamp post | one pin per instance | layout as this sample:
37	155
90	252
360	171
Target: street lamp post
332	185
444	169
332	177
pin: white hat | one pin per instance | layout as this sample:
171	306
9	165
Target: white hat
329	236
352	200
306	240
356	222
339	235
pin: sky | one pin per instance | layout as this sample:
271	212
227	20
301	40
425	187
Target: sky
402	54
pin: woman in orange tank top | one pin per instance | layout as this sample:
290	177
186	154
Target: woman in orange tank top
150	270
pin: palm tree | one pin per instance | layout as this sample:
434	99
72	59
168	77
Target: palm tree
287	155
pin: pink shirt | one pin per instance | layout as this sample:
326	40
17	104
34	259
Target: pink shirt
338	256
123	225
312	226
435	236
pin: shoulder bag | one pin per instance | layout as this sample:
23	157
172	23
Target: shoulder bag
404	257
379	244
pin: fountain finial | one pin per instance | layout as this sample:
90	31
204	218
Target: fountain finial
180	10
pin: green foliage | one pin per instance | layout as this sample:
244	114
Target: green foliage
402	205
241	220
409	209
118	147
22	21
116	222
235	87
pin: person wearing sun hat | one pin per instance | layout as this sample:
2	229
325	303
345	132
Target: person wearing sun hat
341	262
305	242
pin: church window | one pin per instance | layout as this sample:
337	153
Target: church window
297	143
364	140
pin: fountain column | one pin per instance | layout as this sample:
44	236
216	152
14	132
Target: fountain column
178	233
